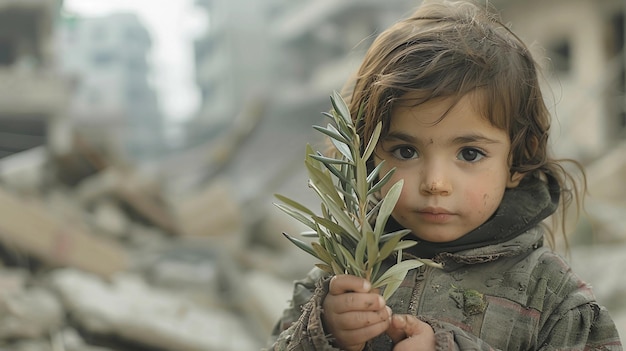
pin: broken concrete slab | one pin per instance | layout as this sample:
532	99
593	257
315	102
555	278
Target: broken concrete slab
130	309
28	226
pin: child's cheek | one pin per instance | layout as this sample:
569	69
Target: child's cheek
484	201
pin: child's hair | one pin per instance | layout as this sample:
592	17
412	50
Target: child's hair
450	49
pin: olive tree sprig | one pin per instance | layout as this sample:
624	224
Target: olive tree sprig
346	241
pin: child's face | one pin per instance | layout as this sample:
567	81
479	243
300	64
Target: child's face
455	171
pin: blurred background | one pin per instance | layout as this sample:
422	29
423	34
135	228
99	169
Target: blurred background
141	143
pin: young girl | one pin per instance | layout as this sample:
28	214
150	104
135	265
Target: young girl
465	126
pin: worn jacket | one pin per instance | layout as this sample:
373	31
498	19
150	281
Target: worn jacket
499	288
515	295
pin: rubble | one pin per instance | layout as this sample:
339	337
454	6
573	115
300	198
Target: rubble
131	309
104	260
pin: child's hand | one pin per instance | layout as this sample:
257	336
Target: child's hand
353	314
411	334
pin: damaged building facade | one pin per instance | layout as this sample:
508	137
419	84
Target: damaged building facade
113	102
33	95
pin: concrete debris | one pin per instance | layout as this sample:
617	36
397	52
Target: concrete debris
103	259
131	309
29	227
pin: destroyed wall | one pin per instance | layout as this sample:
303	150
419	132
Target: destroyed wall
107	265
32	96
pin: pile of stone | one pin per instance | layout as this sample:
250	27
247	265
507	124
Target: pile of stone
95	256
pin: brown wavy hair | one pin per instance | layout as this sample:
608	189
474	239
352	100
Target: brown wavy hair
452	48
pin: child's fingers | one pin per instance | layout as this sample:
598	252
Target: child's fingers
343	283
406	326
396	330
355	339
411	325
359	319
355	302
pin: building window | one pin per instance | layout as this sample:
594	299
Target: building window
561	55
7	52
620	30
102	58
617	53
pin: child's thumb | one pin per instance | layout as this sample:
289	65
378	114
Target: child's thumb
396	330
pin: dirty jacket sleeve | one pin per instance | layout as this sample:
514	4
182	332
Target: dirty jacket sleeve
300	327
570	318
573	319
586	327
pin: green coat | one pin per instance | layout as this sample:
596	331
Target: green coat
517	295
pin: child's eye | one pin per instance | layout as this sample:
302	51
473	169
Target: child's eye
404	152
470	154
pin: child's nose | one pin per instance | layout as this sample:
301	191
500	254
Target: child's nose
435	180
436	187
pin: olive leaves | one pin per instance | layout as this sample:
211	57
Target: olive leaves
346	241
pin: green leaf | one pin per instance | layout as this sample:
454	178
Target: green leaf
366	227
294	204
353	267
330	225
372	248
332	132
371	145
374	210
389	246
359	254
309	234
341	217
343	148
337	254
387	236
359	115
322	183
430	263
321	252
297	215
340	106
361	180
307	158
333	170
329	160
405	244
389	202
381	182
302	245
392	286
326	268
337	269
348	196
374	173
396	272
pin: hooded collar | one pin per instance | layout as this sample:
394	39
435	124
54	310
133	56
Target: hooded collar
521	209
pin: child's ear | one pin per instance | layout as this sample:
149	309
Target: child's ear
514	180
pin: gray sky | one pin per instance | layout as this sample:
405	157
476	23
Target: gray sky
173	25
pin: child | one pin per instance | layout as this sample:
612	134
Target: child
465	126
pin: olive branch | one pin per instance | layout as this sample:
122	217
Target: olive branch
346	241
